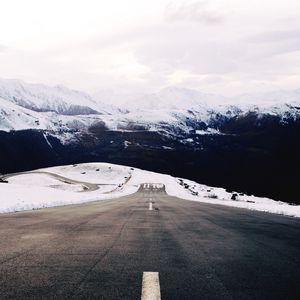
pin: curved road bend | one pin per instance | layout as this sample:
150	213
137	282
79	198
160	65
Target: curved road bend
89	187
100	250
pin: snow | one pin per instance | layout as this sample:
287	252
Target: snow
41	97
43	180
220	196
189	140
167	148
31	190
126	144
37	106
47	141
15	117
167	99
20	197
208	131
96	173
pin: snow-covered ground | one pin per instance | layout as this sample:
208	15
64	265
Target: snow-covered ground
38	190
44	180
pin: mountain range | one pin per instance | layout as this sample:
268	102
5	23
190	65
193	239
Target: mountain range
246	142
60	110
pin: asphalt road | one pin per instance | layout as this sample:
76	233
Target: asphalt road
100	250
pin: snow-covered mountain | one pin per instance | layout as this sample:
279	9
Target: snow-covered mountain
174	110
60	110
253	136
59	99
183	103
183	99
170	99
16	117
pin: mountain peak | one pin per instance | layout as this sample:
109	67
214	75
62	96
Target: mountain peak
59	99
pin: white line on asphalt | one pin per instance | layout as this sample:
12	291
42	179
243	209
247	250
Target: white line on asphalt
150	206
150	286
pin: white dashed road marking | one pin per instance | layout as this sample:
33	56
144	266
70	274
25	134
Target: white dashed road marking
150	286
150	206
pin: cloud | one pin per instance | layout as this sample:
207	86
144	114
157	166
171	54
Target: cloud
271	44
275	36
3	49
196	11
229	46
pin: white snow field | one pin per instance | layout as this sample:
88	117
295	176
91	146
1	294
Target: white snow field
80	183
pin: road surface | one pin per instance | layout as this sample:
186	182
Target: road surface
100	250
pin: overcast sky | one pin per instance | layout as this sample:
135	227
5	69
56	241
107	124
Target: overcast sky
220	46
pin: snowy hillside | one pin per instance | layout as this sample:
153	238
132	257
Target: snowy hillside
100	181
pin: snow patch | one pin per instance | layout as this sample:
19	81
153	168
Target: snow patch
45	136
208	131
31	190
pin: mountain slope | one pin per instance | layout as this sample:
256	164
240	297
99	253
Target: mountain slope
42	98
14	117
